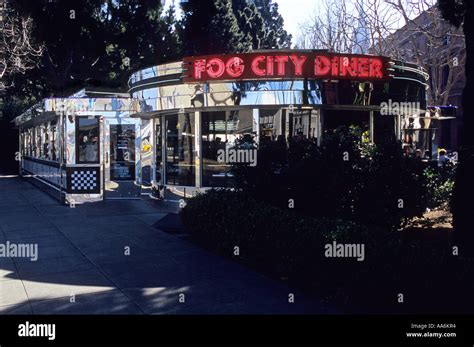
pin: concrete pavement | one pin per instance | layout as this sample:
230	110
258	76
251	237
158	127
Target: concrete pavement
84	266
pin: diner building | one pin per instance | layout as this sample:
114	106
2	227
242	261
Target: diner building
163	139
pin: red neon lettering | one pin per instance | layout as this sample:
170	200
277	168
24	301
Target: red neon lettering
298	62
364	66
281	60
235	67
376	68
270	63
348	68
255	65
335	66
199	68
326	65
322	66
212	64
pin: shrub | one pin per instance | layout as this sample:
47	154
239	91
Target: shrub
285	245
439	184
376	185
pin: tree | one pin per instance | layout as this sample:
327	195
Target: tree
373	27
211	27
140	35
74	41
225	26
90	42
251	23
18	51
331	29
432	43
261	21
457	12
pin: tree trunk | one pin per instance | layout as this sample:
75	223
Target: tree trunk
462	204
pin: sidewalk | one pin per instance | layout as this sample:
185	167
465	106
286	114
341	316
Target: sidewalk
83	269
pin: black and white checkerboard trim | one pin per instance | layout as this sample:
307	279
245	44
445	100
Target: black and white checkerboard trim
83	180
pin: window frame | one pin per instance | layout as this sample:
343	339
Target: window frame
76	124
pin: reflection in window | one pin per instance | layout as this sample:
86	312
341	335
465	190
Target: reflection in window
281	125
222	131
54	140
419	135
45	151
384	128
180	132
39	144
122	152
272	124
87	140
33	143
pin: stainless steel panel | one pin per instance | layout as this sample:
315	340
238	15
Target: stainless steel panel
146	152
70	144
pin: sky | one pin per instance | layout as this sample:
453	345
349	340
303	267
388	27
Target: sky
294	12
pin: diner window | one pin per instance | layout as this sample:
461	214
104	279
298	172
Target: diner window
45	152
53	142
222	134
87	139
272	125
180	160
31	142
384	128
38	144
22	144
27	143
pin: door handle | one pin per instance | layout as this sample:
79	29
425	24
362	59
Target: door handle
107	157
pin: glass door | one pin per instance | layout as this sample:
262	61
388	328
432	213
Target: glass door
120	160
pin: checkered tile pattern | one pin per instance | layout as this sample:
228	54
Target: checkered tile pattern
83	180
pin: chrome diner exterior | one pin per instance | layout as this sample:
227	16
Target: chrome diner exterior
202	104
161	139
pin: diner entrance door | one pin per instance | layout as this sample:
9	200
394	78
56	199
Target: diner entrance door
120	159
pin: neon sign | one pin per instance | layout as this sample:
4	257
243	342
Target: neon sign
285	65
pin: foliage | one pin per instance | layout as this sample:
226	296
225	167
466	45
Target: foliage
261	21
241	26
287	246
96	42
344	178
439	183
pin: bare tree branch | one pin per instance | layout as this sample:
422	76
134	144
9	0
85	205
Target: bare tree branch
406	30
18	52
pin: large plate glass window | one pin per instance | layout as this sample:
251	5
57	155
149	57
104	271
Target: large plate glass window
180	156
225	134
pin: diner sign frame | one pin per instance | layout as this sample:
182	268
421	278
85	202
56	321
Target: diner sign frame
285	65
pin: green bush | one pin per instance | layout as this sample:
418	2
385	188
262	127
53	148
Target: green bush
286	245
439	184
345	178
